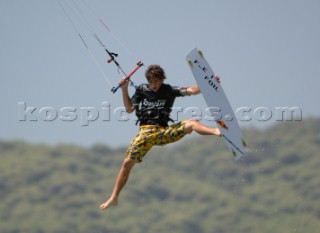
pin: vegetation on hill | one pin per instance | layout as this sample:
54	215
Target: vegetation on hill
193	186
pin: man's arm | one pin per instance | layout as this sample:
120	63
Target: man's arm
125	96
194	90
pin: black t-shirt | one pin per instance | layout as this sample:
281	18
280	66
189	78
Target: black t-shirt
154	108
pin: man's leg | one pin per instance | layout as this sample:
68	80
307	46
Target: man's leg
200	128
122	179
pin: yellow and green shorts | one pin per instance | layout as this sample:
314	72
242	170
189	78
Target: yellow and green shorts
153	135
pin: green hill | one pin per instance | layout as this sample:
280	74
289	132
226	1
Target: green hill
191	187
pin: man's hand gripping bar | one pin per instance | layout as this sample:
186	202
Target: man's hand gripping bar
139	64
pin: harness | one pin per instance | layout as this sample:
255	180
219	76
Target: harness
154	108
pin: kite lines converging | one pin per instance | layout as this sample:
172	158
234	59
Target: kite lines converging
73	14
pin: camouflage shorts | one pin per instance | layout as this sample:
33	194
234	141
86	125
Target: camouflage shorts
150	135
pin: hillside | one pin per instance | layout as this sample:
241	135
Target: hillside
191	187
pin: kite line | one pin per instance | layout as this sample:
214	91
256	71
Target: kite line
68	10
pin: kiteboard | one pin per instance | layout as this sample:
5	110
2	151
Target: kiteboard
217	102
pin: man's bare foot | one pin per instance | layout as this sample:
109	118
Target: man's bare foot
111	201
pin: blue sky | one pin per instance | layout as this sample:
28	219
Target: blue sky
266	52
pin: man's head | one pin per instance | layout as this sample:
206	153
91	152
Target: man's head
155	76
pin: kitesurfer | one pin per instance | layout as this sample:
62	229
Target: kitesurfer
152	103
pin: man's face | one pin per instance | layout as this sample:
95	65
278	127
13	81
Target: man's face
155	84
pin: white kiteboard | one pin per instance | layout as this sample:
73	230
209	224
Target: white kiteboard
217	102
